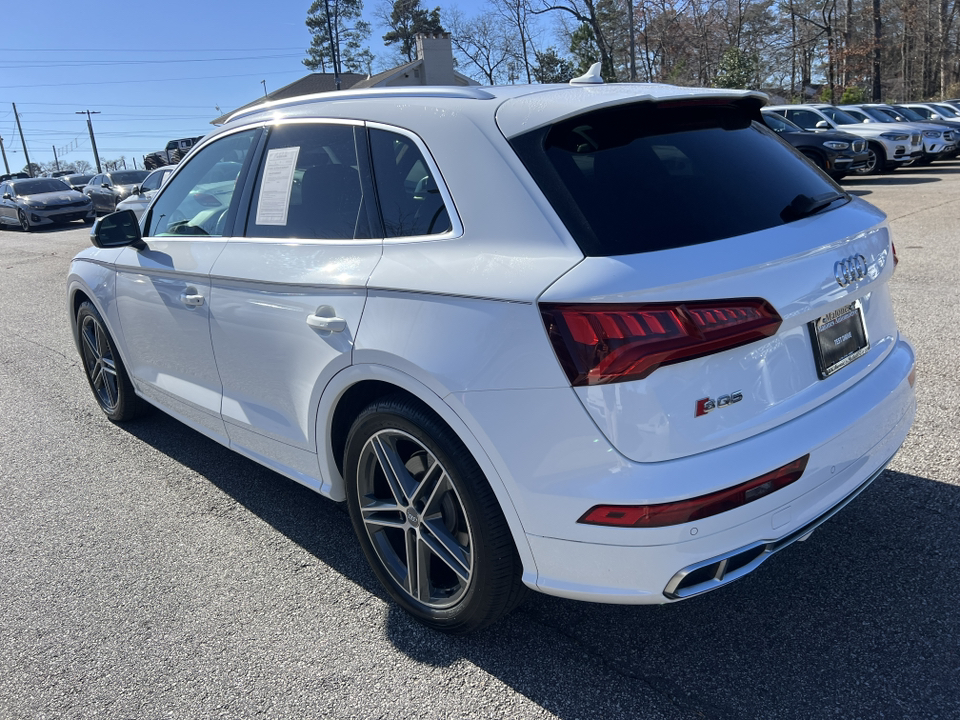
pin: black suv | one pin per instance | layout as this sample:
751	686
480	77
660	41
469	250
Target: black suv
836	153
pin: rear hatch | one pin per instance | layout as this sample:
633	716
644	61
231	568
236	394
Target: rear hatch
728	285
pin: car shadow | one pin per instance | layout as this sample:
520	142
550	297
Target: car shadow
859	621
898	179
48	229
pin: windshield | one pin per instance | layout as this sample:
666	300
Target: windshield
43	185
946	111
876	114
644	177
129	177
839	116
893	114
910	113
78	179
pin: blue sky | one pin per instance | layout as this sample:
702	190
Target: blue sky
155	71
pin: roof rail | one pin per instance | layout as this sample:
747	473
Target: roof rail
470	92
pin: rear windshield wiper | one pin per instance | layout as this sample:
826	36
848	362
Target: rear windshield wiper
804	206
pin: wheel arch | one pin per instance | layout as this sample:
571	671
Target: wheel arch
815	154
92	282
353	389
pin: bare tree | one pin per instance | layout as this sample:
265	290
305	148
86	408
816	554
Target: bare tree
522	20
485	42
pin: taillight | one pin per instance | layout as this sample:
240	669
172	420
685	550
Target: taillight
599	344
682	511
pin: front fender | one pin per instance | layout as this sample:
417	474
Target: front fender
92	273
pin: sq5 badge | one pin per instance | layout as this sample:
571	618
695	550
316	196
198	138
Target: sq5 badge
705	405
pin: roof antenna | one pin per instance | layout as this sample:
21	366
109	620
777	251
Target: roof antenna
590	77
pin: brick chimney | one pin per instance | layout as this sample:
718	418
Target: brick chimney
436	51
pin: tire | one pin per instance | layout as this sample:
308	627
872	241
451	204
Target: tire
176	156
104	369
24	221
427	520
876	161
149	163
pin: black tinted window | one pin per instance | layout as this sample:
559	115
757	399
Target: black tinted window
310	184
641	178
410	201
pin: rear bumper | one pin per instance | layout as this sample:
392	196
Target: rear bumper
652	566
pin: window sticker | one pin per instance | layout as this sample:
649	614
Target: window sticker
276	186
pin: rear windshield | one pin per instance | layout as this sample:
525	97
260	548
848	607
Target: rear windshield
129	177
647	177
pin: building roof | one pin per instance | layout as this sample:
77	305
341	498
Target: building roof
307	85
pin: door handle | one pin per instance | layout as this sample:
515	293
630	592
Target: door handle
326	319
191	298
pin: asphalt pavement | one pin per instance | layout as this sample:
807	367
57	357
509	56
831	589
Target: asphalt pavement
147	572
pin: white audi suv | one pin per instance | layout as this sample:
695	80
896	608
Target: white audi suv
613	343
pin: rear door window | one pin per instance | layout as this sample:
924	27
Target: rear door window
643	177
313	183
804	118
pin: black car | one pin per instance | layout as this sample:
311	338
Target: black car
77	181
109	188
836	153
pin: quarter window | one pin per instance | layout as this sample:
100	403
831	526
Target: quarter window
197	201
410	199
311	184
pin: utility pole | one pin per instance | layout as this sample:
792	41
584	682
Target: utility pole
4	151
23	142
55	160
93	141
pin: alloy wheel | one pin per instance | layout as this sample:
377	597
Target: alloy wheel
24	222
415	519
99	363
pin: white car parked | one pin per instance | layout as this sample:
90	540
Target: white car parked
614	343
889	146
141	195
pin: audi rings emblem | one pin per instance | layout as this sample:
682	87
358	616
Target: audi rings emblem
850	270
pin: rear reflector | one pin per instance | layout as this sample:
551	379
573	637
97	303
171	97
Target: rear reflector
599	344
682	511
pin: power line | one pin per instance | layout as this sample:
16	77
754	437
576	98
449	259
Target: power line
132	63
141	80
151	50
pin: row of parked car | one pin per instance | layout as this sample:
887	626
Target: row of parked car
869	138
34	202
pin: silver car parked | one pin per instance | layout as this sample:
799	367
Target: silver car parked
142	194
34	202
